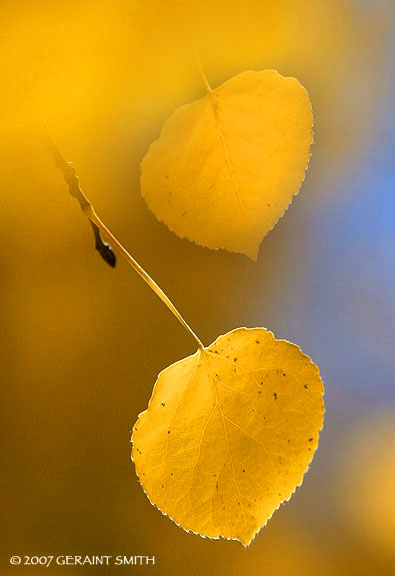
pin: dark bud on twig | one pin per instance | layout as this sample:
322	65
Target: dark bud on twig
104	249
70	176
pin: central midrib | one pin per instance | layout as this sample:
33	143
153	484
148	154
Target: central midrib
214	106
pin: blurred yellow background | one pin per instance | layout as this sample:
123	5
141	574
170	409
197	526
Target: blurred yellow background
81	344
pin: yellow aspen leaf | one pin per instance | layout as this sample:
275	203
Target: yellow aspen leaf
226	167
229	433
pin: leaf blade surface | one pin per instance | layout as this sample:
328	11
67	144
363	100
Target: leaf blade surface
229	433
226	167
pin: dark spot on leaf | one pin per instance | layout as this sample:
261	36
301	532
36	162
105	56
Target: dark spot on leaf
162	403
275	395
257	341
168	431
305	386
234	359
311	439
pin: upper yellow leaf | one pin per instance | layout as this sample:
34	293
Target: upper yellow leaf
229	433
226	167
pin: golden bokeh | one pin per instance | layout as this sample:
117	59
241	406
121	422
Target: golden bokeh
82	344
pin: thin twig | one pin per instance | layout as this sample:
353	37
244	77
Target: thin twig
69	174
99	228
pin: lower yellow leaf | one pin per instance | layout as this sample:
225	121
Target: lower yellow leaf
229	433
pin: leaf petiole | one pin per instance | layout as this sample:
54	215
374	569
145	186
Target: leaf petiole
105	251
202	73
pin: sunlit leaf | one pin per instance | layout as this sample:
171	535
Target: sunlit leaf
226	167
229	433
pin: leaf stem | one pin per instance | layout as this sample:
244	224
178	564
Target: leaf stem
72	180
202	73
